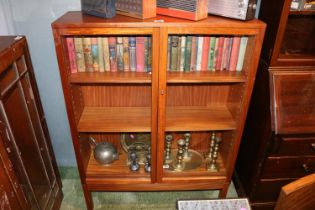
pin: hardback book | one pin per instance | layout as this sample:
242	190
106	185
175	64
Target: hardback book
234	53
178	53
219	53
120	54
241	54
149	58
132	53
194	44
71	54
227	64
106	54
224	52
169	46
100	54
126	53
112	54
88	59
182	53
174	53
140	53
188	53
79	54
146	46
211	62
205	53
94	49
199	53
216	47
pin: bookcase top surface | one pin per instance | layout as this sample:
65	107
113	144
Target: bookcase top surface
76	19
7	41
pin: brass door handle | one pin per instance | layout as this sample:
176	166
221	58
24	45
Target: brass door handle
306	168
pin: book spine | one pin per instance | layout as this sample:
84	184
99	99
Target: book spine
149	54
169	46
120	54
224	52
140	53
199	53
216	48
227	65
79	54
132	53
126	53
182	53
174	53
106	54
211	62
188	53
71	54
205	53
234	53
219	53
241	54
178	53
112	54
88	59
100	54
193	53
146	46
94	48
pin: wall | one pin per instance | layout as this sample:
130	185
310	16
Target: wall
33	18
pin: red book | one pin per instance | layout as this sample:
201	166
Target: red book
234	53
71	54
225	53
140	53
205	52
219	54
193	53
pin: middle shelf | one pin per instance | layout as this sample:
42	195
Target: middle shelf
138	119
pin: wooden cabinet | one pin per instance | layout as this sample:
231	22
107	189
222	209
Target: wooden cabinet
278	142
161	102
30	174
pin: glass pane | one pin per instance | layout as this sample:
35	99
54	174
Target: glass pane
299	37
16	110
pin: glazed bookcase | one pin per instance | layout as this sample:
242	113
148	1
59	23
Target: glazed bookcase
104	105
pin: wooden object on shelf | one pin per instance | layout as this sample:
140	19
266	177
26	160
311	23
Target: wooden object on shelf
103	105
277	144
29	176
142	9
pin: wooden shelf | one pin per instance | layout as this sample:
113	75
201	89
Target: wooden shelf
115	119
110	77
302	12
117	169
206	77
192	118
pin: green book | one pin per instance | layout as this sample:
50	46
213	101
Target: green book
174	52
241	54
187	54
169	53
211	53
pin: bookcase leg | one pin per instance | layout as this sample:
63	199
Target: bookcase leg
224	190
88	198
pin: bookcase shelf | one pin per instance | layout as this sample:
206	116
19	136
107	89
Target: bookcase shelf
110	77
206	77
115	119
170	98
191	118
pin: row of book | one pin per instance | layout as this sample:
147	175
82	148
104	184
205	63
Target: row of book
206	53
109	54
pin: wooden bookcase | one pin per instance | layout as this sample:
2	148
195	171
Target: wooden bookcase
104	105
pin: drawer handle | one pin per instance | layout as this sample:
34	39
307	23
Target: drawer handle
306	168
313	146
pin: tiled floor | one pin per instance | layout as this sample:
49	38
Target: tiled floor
74	200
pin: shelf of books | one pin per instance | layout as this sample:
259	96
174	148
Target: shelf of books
110	59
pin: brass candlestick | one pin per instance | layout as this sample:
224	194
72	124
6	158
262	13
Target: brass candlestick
168	155
211	145
179	165
213	157
187	156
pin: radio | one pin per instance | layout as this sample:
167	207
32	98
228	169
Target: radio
237	9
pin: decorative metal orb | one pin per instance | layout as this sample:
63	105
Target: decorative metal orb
105	153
